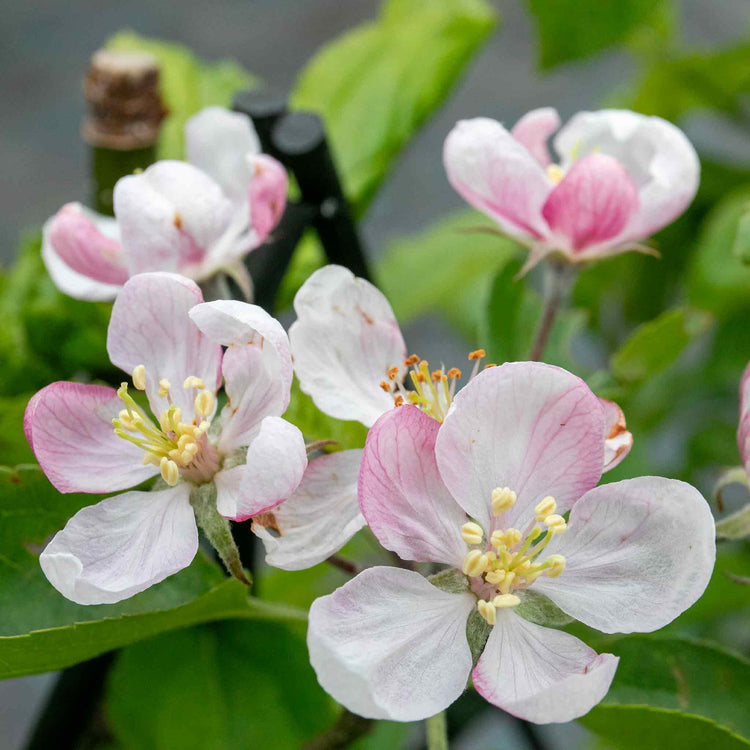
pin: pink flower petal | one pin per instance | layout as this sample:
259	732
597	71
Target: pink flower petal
276	462
617	440
390	645
150	326
267	194
121	546
69	428
533	130
658	157
344	341
401	495
528	426
217	141
591	205
494	173
638	553
318	519
539	674
81	245
743	431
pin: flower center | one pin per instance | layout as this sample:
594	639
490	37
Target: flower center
510	560
176	447
433	391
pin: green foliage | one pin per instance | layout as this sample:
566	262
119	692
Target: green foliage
673	692
576	29
187	85
43	631
377	84
220	686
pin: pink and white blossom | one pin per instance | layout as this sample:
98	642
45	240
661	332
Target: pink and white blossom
351	359
91	438
485	494
621	177
743	431
195	218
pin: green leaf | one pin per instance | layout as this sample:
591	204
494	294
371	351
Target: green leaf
676	693
41	630
736	526
576	29
655	345
429	271
187	85
718	279
741	249
14	448
376	85
222	686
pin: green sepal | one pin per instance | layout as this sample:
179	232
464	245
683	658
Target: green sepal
477	632
540	610
451	580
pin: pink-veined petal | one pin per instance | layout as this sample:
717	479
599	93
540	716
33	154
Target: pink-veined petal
218	141
534	428
592	204
267	194
743	431
658	157
69	427
170	217
228	322
533	130
344	341
390	645
150	326
401	494
71	282
638	553
539	674
617	440
494	173
76	236
318	519
276	462
122	545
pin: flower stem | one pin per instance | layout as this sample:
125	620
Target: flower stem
342	563
558	280
437	732
347	730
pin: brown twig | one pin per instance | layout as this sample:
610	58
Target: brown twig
347	730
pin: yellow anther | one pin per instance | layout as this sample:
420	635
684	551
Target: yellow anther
495	576
454	373
475	563
507	582
555	173
512	537
472	533
501	601
139	377
487	610
412	359
169	471
192	381
151	458
545	508
385	386
557	565
398	400
392	373
478	354
164	386
556	524
497	539
503	498
437	376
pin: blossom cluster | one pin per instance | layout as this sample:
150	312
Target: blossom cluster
484	483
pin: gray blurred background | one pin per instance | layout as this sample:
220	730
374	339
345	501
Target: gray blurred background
45	50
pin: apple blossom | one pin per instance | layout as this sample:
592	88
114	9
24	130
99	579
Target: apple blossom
622	176
195	218
350	357
487	493
91	438
743	431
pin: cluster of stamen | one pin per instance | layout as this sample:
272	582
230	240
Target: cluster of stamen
173	445
433	390
510	560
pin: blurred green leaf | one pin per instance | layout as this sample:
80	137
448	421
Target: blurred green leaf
741	249
736	526
655	345
42	631
576	29
432	270
221	686
718	280
14	448
676	693
376	85
187	85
